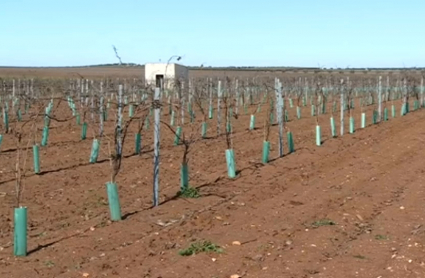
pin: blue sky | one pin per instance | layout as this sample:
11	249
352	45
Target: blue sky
329	33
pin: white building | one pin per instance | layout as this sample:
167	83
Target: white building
166	74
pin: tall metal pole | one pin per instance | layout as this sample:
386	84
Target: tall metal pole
422	92
342	107
380	99
279	108
219	94
119	123
101	110
156	130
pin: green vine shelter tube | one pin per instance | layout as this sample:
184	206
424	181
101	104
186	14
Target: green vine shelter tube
204	130
45	136
385	114
94	151
131	110
363	121
333	127
252	123
36	158
137	143
228	127
290	138
20	225
352	128
172	118
84	131
318	135
266	151
114	202
178	135
231	164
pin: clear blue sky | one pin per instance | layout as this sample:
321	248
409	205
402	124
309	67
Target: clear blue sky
332	33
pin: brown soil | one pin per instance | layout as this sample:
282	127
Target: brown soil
369	184
139	72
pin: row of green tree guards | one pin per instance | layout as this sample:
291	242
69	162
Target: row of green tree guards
20	214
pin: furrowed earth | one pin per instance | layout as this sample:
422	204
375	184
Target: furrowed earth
353	207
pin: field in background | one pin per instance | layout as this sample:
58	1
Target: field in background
137	72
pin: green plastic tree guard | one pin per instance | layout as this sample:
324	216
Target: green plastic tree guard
184	177
403	109
172	118
1	139
204	130
298	112
333	127
231	165
324	106
137	143
178	135
131	110
393	111
228	127
20	232
318	135
352	128
385	114
6	120
266	151
114	202
94	151
210	112
363	122
45	136
252	123
290	138
84	131
36	158
291	103
313	110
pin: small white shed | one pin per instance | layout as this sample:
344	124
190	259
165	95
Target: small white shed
165	75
